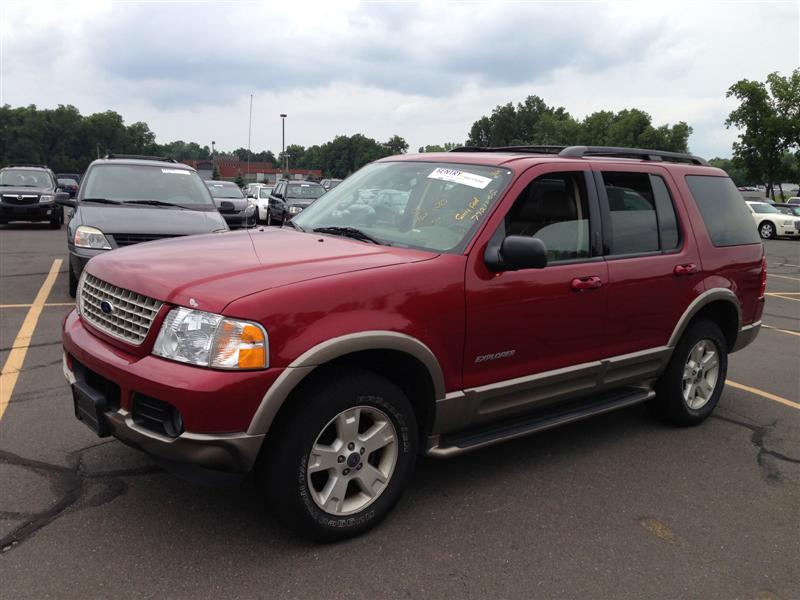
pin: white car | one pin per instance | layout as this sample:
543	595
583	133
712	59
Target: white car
772	223
262	200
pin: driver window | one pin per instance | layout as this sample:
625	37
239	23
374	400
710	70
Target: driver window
554	209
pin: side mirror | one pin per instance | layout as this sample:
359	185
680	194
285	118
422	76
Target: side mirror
63	199
516	252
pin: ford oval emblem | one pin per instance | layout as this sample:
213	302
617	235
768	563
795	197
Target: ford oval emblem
107	307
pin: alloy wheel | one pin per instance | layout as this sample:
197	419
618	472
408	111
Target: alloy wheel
767	231
700	374
352	460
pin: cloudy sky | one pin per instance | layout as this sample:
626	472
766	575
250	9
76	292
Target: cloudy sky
423	70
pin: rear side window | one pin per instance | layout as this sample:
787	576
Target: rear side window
728	221
641	214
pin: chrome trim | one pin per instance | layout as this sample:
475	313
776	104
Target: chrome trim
130	314
335	348
705	298
746	336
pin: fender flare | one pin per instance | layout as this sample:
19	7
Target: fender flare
334	348
707	297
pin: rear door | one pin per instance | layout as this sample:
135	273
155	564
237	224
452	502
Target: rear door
654	270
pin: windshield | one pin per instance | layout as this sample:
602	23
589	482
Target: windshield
264	192
764	208
132	183
221	189
67	182
25	178
310	191
795	210
433	206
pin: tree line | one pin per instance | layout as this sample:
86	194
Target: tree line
767	151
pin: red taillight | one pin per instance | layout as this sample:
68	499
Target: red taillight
763	289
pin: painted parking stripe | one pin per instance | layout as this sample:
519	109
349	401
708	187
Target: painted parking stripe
763	394
15	359
789	331
781	295
48	305
783	276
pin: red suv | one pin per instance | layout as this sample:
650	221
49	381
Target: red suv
430	304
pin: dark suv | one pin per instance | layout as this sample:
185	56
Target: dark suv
292	197
28	193
430	304
124	200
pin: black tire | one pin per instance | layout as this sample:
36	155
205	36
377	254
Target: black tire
73	282
55	220
269	218
767	231
670	404
282	466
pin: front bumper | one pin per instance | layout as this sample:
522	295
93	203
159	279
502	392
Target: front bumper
216	406
27	212
787	230
240	219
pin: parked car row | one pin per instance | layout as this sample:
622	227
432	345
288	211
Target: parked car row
29	193
773	220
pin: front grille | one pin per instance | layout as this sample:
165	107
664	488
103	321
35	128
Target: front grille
128	239
128	315
156	415
20	199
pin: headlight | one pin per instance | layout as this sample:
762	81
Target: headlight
91	237
208	340
293	210
45	198
79	293
251	207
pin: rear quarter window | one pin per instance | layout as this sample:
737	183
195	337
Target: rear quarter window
727	219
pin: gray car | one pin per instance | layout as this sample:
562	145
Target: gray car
237	210
127	200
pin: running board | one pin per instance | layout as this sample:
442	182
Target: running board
458	443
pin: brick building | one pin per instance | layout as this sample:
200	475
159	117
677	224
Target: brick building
229	167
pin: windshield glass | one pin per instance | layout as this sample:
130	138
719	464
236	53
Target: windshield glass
222	189
128	183
25	178
433	206
264	192
310	191
795	210
764	208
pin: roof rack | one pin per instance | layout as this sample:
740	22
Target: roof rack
140	157
27	165
588	151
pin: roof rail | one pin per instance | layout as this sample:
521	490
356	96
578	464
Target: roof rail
26	165
537	149
140	157
611	151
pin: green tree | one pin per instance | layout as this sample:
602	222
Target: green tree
397	145
768	117
239	179
215	173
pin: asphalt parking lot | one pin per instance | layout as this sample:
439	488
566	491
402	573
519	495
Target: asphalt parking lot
618	506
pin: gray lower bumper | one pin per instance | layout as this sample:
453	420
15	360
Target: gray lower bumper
746	335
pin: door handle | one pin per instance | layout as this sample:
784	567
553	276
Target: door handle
586	283
683	270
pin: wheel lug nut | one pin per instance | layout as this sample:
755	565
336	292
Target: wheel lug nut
358	468
346	472
340	459
351	446
361	451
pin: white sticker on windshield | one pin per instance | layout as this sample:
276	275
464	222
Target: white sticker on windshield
176	171
462	177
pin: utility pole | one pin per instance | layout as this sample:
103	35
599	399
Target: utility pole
249	129
283	144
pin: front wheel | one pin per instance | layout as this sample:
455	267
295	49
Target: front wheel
269	218
55	220
341	458
766	230
692	384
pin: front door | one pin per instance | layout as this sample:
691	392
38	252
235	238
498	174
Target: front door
536	331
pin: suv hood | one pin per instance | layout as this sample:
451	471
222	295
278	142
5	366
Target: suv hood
238	203
149	219
215	270
24	191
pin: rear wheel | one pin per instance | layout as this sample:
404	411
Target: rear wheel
689	389
766	230
341	459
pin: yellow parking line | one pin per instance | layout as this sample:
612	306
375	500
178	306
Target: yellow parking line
48	305
763	394
13	364
781	295
781	330
783	276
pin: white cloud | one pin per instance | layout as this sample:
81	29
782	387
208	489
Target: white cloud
424	71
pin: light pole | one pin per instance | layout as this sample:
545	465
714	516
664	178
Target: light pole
249	129
283	143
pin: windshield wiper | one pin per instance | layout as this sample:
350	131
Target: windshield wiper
293	225
101	200
157	203
350	232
